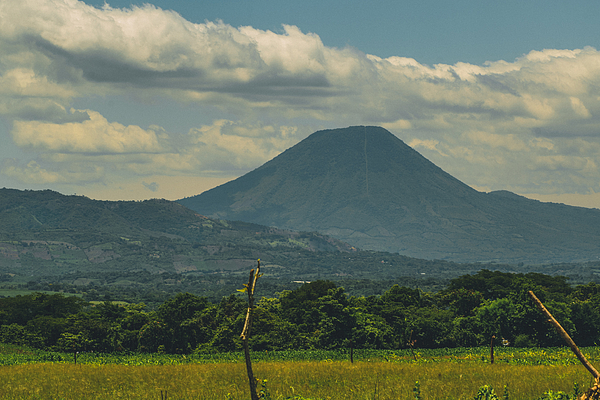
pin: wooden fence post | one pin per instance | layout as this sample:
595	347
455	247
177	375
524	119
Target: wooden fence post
245	335
593	392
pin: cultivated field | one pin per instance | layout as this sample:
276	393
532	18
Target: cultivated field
441	374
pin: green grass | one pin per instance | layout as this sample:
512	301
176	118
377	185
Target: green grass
309	379
558	356
441	373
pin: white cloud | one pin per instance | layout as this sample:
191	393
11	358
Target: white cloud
232	145
427	144
95	135
98	150
579	108
509	141
148	48
502	125
34	173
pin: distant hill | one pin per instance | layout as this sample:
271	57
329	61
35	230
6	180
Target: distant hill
365	186
47	233
145	250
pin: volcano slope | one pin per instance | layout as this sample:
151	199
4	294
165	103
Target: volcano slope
366	187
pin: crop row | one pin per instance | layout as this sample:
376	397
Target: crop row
13	355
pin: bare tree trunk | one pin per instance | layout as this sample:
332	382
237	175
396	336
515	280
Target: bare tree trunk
245	335
594	391
251	379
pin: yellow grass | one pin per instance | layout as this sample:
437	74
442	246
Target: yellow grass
316	380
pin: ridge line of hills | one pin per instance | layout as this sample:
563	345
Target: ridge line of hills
50	241
149	250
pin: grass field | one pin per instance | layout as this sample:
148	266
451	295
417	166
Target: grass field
442	374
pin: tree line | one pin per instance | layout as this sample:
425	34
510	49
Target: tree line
316	315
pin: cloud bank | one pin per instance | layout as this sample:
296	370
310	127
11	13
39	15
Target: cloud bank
530	125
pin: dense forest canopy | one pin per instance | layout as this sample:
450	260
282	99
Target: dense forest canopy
316	315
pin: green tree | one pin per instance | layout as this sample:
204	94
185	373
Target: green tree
462	302
270	331
371	331
335	322
19	335
47	327
186	317
21	309
585	315
466	332
497	318
321	314
69	342
402	296
430	326
153	336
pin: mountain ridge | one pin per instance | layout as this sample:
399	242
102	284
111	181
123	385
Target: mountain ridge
147	249
364	186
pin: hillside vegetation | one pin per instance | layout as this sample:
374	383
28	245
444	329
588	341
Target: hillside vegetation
145	251
75	242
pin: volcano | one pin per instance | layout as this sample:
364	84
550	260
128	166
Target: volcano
366	187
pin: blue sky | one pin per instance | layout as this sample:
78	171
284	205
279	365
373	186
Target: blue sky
132	101
430	31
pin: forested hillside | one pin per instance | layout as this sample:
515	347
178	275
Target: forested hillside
316	315
147	251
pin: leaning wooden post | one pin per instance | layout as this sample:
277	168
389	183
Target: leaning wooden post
566	337
245	335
